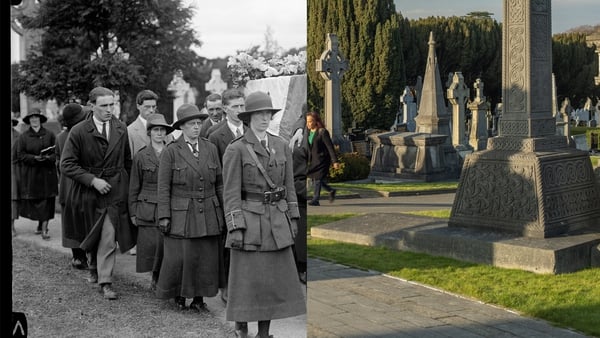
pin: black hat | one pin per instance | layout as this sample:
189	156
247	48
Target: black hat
72	114
35	112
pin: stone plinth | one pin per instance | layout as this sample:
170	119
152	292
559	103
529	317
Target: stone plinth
409	155
432	236
537	194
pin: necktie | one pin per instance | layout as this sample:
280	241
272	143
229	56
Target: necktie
104	130
264	144
237	132
194	147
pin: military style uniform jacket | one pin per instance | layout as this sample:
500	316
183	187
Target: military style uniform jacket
266	226
143	196
190	189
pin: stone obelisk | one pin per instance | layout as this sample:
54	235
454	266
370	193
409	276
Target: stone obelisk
529	181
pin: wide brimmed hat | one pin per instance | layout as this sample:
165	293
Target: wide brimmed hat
72	114
158	120
15	122
35	112
257	102
188	112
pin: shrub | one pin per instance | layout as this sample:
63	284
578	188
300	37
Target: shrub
353	166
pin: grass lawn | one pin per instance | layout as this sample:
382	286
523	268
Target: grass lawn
399	187
567	300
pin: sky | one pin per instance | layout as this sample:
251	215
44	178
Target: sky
225	26
566	14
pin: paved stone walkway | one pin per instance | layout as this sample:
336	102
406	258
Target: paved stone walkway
351	303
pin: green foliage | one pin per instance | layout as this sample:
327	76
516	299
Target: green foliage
574	64
353	166
370	39
120	44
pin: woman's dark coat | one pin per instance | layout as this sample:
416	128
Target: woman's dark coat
86	155
37	179
320	155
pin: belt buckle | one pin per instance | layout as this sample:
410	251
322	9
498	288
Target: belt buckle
267	197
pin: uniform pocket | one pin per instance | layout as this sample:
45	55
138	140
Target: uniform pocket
212	172
179	173
146	210
179	210
149	174
253	212
250	171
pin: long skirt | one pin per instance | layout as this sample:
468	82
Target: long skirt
38	209
191	267
149	254
263	285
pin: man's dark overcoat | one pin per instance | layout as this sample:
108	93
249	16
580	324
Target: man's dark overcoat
221	136
87	154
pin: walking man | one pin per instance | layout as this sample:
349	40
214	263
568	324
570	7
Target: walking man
98	159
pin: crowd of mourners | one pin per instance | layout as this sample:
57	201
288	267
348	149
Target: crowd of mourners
213	203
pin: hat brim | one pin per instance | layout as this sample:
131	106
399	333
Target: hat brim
245	115
166	126
178	123
43	118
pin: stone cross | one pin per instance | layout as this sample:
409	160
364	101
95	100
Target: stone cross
478	134
332	65
215	85
457	94
178	87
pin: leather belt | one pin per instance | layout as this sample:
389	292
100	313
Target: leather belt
266	197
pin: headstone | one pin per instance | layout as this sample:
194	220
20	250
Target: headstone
528	182
215	85
332	65
478	135
180	91
457	94
409	109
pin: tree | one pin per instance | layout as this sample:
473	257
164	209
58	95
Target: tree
120	44
574	65
369	37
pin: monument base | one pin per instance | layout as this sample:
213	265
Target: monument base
432	236
407	155
529	193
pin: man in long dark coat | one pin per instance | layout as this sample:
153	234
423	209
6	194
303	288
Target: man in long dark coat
98	159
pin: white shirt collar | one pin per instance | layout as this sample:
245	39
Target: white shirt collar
99	123
232	127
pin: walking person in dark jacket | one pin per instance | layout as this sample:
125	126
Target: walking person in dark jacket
320	157
143	198
98	160
72	114
14	175
38	181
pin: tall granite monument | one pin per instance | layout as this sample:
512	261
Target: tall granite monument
528	181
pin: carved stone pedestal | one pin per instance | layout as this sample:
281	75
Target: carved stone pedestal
541	194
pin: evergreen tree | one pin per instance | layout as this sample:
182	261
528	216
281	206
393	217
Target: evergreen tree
369	37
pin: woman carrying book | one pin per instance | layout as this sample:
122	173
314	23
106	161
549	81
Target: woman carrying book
38	184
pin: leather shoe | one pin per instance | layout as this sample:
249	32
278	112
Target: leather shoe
180	302
109	293
314	203
332	196
93	277
78	264
241	330
198	306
